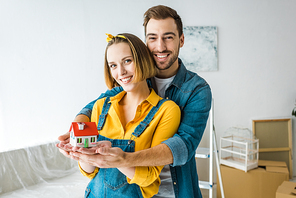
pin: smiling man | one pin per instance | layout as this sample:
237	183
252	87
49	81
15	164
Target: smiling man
164	41
164	38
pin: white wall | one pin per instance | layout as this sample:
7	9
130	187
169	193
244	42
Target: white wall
51	55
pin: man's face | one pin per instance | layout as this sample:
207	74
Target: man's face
162	39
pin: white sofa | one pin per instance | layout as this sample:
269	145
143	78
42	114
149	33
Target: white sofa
39	171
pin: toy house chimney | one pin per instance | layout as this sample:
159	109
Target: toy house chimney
80	125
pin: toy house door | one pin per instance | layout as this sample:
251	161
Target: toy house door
86	142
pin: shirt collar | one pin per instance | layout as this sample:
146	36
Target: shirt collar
180	76
153	98
117	98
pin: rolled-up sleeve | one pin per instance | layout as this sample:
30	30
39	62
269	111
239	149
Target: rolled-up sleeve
193	122
143	176
178	149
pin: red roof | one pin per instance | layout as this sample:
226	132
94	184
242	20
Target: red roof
90	129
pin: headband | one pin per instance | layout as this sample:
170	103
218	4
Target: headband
110	37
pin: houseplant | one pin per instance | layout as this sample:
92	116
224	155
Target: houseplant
294	110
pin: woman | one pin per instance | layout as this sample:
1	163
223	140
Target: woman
133	120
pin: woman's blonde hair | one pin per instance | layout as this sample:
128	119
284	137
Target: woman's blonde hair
143	60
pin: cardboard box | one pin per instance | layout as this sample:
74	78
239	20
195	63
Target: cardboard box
286	190
261	182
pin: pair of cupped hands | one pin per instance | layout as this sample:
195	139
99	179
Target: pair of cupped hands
103	155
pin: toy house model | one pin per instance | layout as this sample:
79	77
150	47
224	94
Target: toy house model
83	134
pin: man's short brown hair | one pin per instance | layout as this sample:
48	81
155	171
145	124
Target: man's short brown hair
163	12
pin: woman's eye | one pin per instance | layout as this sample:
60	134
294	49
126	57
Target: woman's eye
128	61
112	66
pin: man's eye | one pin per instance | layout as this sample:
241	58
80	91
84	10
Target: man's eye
151	38
169	37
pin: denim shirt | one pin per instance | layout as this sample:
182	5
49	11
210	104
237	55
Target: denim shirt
193	95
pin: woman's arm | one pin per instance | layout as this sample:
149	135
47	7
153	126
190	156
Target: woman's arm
86	167
128	171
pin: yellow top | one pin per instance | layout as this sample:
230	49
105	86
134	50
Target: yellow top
163	126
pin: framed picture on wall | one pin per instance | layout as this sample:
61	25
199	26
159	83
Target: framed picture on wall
199	52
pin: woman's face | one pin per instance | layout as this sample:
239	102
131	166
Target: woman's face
121	65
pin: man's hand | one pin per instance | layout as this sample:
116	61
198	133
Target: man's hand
64	144
65	138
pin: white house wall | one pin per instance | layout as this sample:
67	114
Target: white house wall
52	54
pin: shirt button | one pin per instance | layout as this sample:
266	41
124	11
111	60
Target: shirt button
175	183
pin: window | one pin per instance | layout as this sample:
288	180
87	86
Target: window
92	139
79	140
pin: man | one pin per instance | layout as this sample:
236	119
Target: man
164	38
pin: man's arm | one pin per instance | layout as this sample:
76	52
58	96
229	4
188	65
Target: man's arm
88	108
85	114
79	118
156	156
176	150
194	119
181	147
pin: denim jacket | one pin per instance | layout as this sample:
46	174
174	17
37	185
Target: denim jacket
193	95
